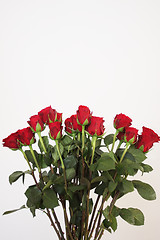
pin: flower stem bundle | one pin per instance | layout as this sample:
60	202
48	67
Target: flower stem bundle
79	162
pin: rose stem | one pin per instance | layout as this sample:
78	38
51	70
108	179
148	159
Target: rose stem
82	175
58	224
62	165
114	139
53	225
68	231
99	213
127	145
93	213
25	156
41	141
94	139
35	160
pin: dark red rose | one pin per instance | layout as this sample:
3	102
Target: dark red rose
75	124
121	121
130	135
12	141
120	135
36	123
59	117
68	126
83	115
146	139
55	130
96	126
26	136
48	115
71	125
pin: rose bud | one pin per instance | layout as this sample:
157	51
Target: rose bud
121	121
26	136
12	141
59	117
130	135
36	123
146	139
48	115
75	125
68	126
96	126
55	130
83	115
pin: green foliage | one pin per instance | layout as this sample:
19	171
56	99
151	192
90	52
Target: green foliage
133	216
66	178
144	190
108	139
49	198
15	210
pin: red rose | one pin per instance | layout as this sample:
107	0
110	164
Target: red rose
75	124
36	123
68	125
55	130
120	135
121	121
12	141
59	117
71	125
130	135
96	126
146	139
48	115
26	136
83	115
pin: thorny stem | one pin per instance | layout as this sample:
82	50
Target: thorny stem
58	224
68	230
93	213
100	214
53	225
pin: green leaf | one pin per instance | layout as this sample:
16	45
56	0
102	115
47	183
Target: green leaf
15	176
46	143
66	140
126	186
133	216
105	163
138	216
49	199
144	190
70	161
112	186
75	188
108	139
34	195
15	210
137	154
30	157
127	215
70	173
146	168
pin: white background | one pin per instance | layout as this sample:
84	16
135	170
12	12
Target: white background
103	54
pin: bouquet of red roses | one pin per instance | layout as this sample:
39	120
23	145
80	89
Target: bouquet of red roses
71	165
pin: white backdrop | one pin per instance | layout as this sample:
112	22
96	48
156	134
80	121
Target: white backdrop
103	54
